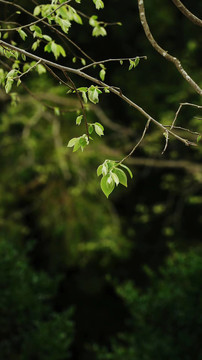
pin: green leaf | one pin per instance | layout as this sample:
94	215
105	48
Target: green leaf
9	84
121	175
98	4
55	49
48	47
198	138
22	34
41	69
137	60
76	146
72	142
78	119
133	64
56	110
99	31
47	38
115	178
102	74
35	45
129	171
85	89
99	170
90	128
99	129
107	185
37	11
93	94
84	97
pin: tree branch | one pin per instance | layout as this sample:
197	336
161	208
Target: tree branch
49	25
37	21
163	52
187	13
111	60
98	82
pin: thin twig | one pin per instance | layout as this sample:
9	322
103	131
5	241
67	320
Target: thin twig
37	21
139	142
180	107
163	52
110	60
50	26
166	143
58	77
187	13
24	73
184	129
81	103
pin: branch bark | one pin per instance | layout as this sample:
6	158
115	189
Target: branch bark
163	52
187	13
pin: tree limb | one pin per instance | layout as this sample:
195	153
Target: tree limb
163	52
187	13
98	82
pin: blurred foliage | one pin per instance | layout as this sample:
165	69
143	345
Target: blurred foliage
29	326
165	321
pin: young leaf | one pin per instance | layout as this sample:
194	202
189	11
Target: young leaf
98	4
78	119
99	170
76	146
121	175
102	74
198	138
99	129
93	94
129	171
115	178
9	84
37	11
90	128
107	185
84	97
22	34
99	31
72	142
41	69
137	60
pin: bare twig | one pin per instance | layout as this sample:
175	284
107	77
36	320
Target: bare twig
187	13
166	143
183	129
179	108
58	77
163	52
139	142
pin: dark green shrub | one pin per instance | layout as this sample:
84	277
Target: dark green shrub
165	322
29	327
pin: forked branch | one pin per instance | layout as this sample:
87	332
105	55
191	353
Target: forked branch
163	52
